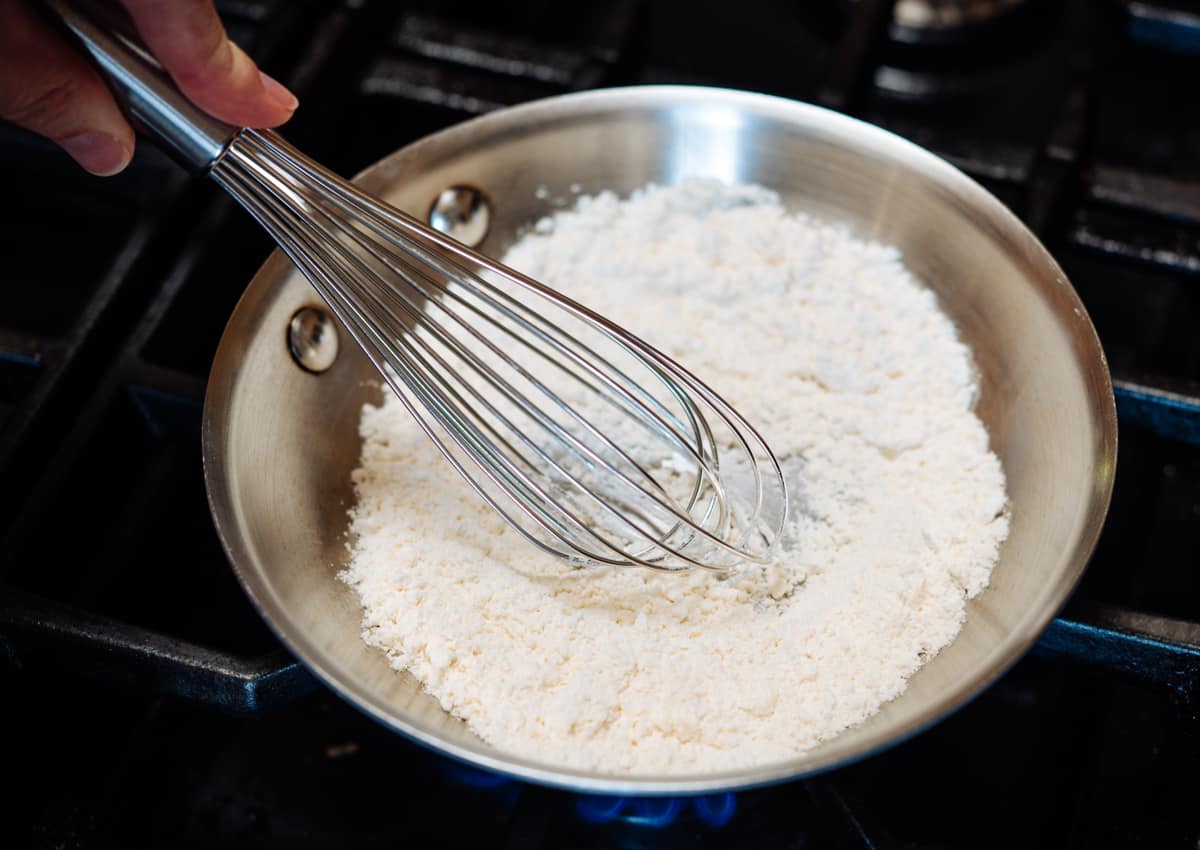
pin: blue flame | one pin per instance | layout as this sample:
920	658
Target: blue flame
714	810
655	812
473	777
600	809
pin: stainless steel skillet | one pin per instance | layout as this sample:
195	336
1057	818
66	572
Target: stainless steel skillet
280	430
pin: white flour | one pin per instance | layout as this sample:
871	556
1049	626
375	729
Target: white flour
858	382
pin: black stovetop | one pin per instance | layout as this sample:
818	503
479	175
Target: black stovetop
145	704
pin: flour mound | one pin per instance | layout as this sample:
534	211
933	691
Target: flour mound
858	382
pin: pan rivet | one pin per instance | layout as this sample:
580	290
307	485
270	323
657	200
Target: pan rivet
312	339
462	212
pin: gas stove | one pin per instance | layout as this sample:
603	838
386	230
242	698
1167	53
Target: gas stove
146	703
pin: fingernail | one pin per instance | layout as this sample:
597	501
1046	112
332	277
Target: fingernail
278	92
99	153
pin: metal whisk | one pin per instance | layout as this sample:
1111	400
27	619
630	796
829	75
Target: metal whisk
592	444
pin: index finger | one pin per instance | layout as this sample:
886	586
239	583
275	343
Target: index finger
188	38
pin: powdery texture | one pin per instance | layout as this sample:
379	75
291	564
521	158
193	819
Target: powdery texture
859	383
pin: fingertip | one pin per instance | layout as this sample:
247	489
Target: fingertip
240	94
98	152
279	94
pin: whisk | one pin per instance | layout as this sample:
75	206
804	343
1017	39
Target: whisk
592	444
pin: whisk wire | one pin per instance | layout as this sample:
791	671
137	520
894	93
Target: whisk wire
478	448
295	245
366	211
448	372
387	279
368	215
457	402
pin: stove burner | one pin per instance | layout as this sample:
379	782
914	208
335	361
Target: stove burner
924	23
956	50
932	21
713	810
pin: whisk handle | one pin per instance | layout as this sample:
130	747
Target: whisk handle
149	96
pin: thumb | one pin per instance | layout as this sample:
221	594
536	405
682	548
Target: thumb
187	37
46	87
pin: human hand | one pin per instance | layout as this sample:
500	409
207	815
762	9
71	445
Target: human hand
48	87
